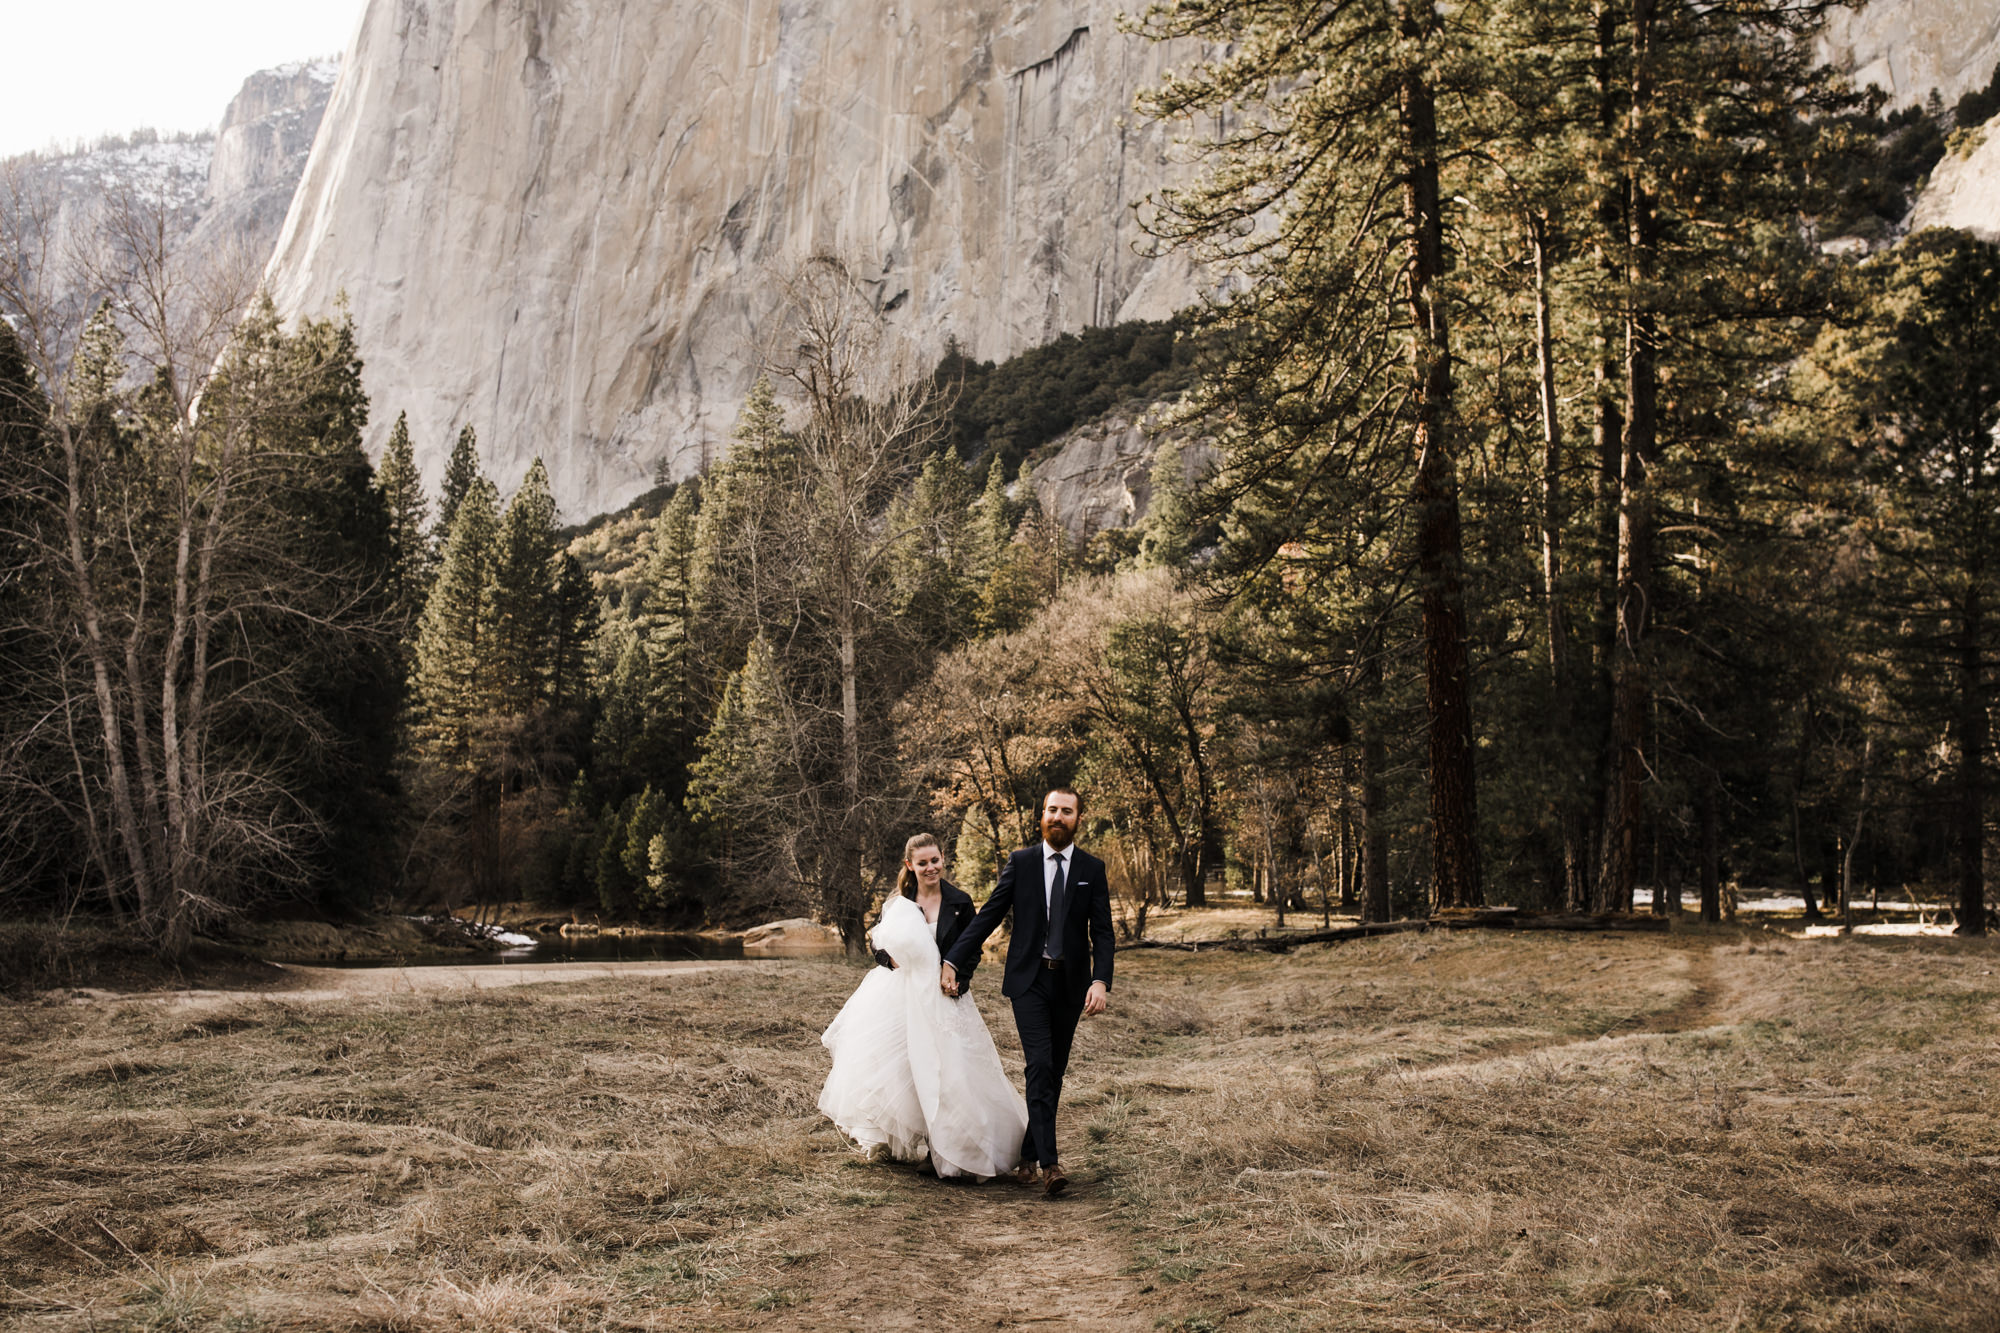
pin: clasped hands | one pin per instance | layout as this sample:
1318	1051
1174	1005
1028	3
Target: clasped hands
1093	1003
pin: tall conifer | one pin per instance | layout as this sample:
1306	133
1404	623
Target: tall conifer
455	677
402	492
460	471
524	624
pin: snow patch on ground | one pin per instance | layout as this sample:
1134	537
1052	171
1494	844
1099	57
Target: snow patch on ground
1882	928
1790	903
175	173
479	930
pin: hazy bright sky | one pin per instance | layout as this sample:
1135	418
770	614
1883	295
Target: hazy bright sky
76	69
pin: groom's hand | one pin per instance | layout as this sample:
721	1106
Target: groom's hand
948	980
1094	1002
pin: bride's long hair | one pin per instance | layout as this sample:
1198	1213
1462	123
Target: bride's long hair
906	878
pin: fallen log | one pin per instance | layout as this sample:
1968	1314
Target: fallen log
1507	919
1475	919
1280	943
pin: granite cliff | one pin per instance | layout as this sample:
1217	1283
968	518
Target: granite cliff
1964	189
558	223
1908	47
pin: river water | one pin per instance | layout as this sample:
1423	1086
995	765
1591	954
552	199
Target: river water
581	949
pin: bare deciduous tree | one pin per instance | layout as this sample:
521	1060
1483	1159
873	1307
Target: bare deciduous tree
834	801
182	566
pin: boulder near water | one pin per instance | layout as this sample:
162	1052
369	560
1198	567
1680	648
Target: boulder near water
795	937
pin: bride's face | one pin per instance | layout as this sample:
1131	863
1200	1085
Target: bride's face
928	866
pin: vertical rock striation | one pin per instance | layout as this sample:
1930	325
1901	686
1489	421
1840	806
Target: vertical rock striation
559	223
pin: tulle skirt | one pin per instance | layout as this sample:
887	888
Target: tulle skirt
914	1069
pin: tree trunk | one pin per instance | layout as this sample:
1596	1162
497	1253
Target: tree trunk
1631	692
1801	872
1570	821
1711	851
124	816
1971	832
1440	546
1374	826
850	714
1194	889
1860	821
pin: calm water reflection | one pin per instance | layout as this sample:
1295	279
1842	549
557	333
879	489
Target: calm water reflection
587	949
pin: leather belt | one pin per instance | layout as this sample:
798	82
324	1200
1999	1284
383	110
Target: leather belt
1052	964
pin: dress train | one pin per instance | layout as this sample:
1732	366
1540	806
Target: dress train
916	1070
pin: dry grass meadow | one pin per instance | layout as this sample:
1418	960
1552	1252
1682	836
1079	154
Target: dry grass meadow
1469	1131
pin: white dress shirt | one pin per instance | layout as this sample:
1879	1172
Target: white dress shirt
1050	857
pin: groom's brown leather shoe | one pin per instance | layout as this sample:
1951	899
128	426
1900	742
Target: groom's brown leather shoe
1054	1182
1027	1173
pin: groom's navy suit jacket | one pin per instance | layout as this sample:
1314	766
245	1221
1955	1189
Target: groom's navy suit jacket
1086	927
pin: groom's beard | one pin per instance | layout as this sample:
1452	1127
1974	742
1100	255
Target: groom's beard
1057	833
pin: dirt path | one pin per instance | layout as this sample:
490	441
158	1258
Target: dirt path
942	1254
1699	1007
301	984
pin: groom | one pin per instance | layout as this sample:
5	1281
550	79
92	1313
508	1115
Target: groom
1055	974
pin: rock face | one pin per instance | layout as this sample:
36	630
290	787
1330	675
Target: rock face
559	223
226	193
1100	475
1908	47
794	937
1964	190
259	155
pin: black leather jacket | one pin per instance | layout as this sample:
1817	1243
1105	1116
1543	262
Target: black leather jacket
954	915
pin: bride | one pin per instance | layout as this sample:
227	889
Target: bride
914	1071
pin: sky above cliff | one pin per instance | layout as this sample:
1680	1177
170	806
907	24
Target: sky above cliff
78	69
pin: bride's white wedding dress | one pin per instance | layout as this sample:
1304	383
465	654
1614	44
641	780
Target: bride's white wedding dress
917	1070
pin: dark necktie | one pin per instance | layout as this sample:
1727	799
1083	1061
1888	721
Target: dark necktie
1058	893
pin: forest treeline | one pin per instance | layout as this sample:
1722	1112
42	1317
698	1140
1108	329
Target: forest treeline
1578	524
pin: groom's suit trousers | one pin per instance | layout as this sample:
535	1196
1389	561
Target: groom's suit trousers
1046	1017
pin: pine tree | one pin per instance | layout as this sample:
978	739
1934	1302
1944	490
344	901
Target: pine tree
934	593
1332	127
735	781
524	628
623	714
575	628
460	472
647	819
667	626
615	885
455	681
993	523
402	492
1167	536
732	583
1914	395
